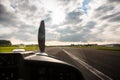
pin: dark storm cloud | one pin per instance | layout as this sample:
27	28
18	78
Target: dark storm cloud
6	18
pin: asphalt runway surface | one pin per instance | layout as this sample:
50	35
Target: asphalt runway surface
93	64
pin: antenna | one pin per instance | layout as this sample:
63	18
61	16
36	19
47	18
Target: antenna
41	37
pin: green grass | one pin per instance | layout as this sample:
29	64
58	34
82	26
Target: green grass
10	48
109	48
99	47
31	48
35	47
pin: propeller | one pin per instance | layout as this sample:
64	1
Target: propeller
41	37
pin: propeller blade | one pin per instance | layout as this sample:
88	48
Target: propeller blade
41	36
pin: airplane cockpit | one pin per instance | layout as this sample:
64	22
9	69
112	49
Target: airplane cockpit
37	66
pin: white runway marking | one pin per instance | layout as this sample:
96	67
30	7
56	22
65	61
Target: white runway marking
96	72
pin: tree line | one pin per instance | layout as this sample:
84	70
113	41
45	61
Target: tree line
5	43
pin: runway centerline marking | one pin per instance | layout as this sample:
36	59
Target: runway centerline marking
96	72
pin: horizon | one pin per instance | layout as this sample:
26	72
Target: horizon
66	43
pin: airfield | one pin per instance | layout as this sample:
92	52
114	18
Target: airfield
93	63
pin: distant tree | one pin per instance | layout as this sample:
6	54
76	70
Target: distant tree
5	43
116	45
72	44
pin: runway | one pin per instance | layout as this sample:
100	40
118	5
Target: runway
93	64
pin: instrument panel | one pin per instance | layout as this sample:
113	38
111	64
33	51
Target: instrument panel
13	66
10	66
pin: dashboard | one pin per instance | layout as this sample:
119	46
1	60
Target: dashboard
13	66
10	65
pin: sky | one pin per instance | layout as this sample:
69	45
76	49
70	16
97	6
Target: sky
66	21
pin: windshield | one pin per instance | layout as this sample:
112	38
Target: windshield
85	33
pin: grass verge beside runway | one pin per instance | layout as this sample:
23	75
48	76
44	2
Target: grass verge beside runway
10	48
99	47
35	47
109	48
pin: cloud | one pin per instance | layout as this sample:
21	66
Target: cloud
114	1
107	18
73	17
9	22
25	6
115	19
5	36
6	18
77	34
76	20
110	13
110	16
105	8
71	38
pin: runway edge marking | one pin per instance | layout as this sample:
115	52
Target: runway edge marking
96	72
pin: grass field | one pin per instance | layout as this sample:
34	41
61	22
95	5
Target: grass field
100	48
109	48
10	48
35	47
